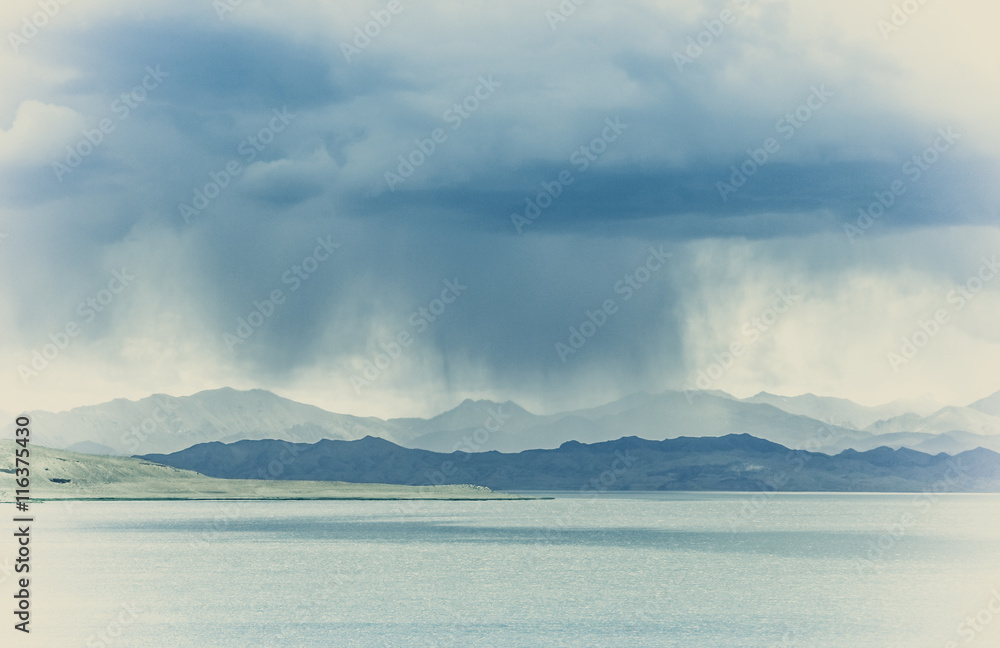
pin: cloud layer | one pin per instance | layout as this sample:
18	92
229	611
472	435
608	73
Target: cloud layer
533	154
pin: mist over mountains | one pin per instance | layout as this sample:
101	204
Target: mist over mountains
166	424
845	412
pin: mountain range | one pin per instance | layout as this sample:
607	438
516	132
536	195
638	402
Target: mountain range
166	424
729	463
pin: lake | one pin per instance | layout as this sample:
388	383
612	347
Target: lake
628	570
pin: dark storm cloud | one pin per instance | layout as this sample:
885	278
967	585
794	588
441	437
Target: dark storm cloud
212	68
656	183
687	203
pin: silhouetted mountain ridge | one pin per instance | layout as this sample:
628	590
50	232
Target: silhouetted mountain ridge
738	462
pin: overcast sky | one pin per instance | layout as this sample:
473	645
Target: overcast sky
173	163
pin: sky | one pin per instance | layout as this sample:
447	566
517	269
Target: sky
383	208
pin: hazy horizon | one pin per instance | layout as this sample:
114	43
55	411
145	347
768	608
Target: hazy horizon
429	411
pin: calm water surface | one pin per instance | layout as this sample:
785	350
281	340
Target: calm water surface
663	570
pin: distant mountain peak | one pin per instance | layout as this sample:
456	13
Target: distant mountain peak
989	405
164	423
477	413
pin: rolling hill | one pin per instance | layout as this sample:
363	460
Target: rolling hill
62	475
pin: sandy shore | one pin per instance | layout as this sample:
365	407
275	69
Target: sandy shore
62	475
